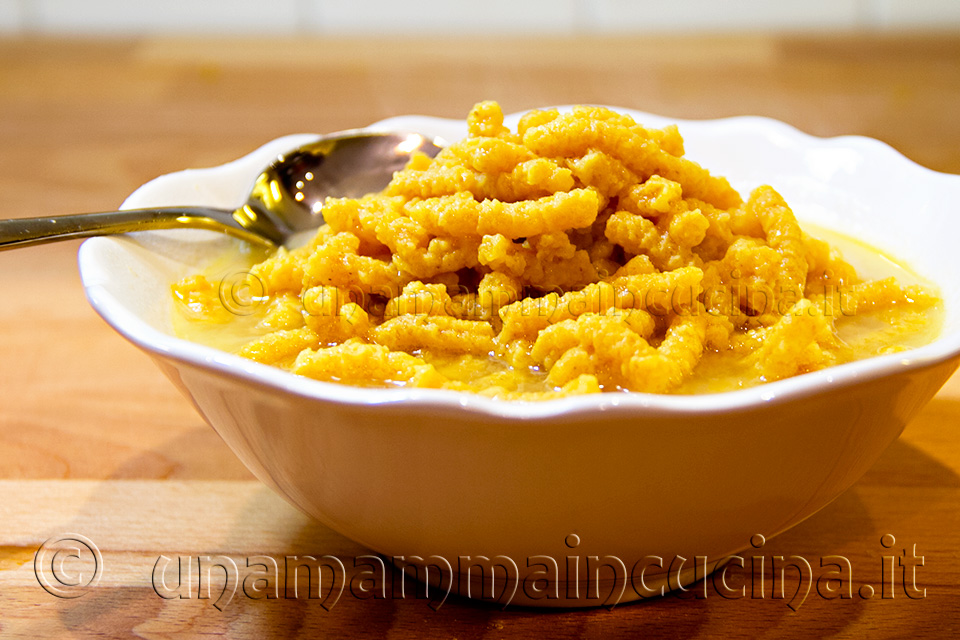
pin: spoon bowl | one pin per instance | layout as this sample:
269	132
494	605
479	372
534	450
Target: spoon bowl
286	198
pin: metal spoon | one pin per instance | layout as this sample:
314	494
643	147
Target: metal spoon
286	198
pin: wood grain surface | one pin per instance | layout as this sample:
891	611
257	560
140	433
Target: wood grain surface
94	441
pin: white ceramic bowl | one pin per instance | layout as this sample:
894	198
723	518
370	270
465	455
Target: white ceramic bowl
585	481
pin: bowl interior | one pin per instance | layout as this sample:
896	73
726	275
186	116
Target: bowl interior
853	185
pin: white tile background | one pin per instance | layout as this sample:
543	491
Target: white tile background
330	17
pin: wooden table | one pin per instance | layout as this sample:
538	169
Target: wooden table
94	441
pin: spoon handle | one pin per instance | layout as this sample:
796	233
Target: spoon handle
24	232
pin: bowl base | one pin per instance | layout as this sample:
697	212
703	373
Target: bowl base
496	582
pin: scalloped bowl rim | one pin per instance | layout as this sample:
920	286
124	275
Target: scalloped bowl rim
127	323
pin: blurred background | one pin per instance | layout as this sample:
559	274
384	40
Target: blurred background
529	16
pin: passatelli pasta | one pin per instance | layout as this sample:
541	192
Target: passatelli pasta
580	253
